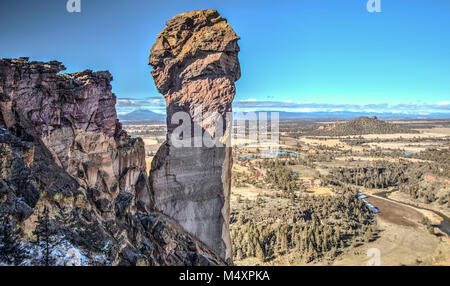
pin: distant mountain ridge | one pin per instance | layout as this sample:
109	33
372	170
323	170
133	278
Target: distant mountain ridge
361	126
349	115
148	115
142	115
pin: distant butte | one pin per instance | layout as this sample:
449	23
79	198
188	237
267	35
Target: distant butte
361	126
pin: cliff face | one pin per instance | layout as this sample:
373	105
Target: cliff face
195	62
63	149
75	116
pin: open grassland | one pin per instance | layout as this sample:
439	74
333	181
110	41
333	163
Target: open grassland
405	235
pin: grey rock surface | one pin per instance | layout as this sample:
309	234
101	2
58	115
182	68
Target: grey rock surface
195	62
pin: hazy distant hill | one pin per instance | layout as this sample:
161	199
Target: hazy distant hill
345	115
142	115
145	115
360	126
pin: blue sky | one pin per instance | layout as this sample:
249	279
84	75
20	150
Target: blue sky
299	55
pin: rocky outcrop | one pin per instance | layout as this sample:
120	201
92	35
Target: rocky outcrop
361	126
195	62
63	149
75	116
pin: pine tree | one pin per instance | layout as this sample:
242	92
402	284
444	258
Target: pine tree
239	255
47	238
369	235
11	250
250	249
298	242
259	252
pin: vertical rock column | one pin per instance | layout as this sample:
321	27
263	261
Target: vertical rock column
195	62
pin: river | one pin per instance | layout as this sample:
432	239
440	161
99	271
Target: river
443	226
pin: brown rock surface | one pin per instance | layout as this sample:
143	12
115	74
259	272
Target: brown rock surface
61	146
195	62
75	116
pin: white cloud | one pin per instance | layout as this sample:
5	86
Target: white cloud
443	103
159	111
306	109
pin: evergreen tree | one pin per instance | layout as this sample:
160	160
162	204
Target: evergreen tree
239	254
47	237
11	250
259	252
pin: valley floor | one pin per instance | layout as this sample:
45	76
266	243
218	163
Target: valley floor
289	210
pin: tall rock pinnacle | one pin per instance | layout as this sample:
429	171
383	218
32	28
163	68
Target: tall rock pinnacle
195	63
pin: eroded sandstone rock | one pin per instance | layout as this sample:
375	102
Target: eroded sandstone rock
195	62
